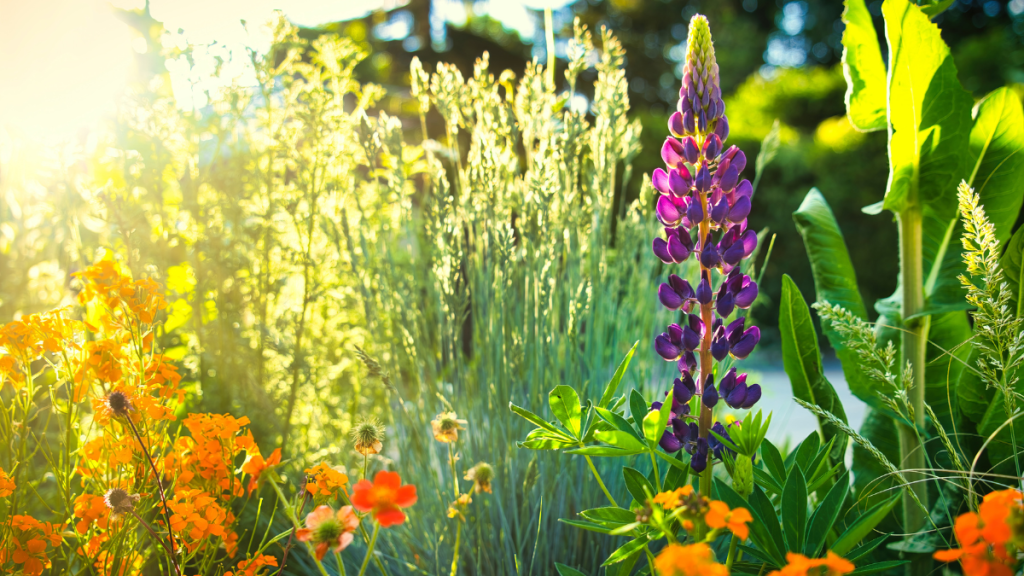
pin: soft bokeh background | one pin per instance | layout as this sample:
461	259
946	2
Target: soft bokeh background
136	128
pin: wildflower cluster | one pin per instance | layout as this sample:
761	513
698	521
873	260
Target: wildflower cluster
991	539
686	506
703	206
28	544
800	565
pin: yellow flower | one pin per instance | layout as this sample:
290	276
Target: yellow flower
458	507
446	427
673	499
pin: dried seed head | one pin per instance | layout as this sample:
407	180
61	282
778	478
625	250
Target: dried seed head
446	427
120	502
118	403
368	437
481	475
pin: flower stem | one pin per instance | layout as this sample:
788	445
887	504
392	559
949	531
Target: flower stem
364	468
733	547
706	360
657	474
369	549
599	481
455	557
455	477
341	565
160	490
295	527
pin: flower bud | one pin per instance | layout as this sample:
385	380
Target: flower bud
753	395
727	181
675	125
668	211
709	256
722	127
710	396
690	151
660	181
740	209
746	343
680	182
704	293
703	179
683	388
712	147
694	212
743	476
720	210
669	443
746	296
672	152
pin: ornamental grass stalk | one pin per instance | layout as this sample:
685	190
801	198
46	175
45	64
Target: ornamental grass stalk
703	206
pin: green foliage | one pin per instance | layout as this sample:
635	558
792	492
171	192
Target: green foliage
863	68
801	359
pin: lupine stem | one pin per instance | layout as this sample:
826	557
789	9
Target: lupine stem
706	360
369	549
598	478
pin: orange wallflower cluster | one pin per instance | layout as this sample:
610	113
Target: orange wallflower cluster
129	302
90	509
716	514
990	537
674	498
6	484
719	516
800	565
322	481
689	560
28	544
196	518
206	459
25	340
251	566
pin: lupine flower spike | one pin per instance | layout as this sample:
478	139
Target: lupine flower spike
703	206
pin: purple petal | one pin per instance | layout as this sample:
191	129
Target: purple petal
681	286
736	397
712	147
749	240
680	391
703	179
739	162
691	339
728	382
675	333
665	348
660	249
703	292
669	443
719	348
734	254
660	180
729	178
710	397
744	189
740	209
690	151
734	331
722	127
694	212
689	123
746	344
669	297
671	152
720	210
675	124
668	212
680	182
710	257
724	305
678	252
746	296
753	395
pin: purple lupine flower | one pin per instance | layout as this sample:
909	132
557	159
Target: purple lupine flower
704	204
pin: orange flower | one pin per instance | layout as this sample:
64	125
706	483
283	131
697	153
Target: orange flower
384	498
90	509
674	499
251	566
719	516
196	517
256	465
329	530
800	565
987	535
6	484
324	481
28	544
690	560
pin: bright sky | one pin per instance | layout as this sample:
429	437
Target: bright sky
64	62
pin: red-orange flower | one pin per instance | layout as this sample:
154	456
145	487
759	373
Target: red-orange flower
719	516
800	565
256	465
690	560
251	566
986	536
28	544
384	498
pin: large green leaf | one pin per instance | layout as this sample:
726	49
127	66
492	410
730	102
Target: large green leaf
929	131
825	517
834	281
794	510
863	68
995	170
945	357
1012	264
863	526
802	361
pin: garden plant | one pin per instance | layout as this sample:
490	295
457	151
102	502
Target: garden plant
277	333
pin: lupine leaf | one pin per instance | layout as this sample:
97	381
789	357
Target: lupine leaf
835	281
879	567
825	516
605	451
759	533
609	515
773	461
620	439
618	421
637	484
565	404
537	420
590	526
863	525
613	384
865	549
863	68
801	359
638	407
626	550
794	510
766	511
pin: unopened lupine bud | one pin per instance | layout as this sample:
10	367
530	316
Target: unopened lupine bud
703	179
690	151
740	209
743	476
720	211
710	395
692	332
672	152
684	387
680	182
712	147
703	292
695	212
709	255
700	74
688	362
675	125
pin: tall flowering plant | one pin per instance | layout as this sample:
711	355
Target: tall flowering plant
703	206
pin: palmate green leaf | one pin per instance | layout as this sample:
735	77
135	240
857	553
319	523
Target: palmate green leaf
863	526
835	281
536	420
802	361
617	421
863	68
995	170
620	439
565	405
825	517
613	384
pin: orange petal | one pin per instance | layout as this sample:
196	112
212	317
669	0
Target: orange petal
405	496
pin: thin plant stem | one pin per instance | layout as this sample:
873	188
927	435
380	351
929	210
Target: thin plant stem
341	564
295	528
369	549
364	467
657	474
599	481
160	490
733	548
650	558
455	478
455	556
